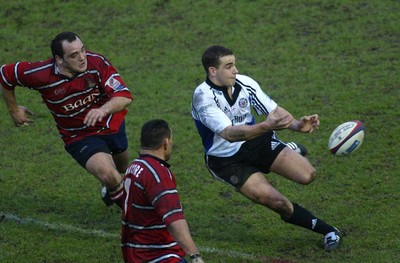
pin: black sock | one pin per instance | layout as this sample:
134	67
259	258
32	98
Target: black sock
302	217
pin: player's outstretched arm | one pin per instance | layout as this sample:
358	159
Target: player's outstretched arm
277	120
20	115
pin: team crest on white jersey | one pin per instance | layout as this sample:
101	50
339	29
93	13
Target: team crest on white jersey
243	103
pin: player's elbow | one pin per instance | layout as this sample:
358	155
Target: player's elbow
128	101
229	138
124	102
227	134
233	134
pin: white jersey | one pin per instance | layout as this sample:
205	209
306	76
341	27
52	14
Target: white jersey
213	110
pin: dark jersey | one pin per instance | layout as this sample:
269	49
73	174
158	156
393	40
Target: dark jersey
70	99
151	205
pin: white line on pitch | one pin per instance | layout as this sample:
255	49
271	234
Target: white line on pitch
100	233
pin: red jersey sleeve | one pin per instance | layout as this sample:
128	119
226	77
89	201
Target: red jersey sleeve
24	74
7	80
111	81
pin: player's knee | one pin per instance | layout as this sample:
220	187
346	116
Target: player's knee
308	177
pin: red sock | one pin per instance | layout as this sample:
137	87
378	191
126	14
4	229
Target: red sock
118	197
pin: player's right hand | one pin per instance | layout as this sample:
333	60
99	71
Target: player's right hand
22	116
278	119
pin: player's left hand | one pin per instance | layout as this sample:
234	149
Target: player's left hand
308	123
93	116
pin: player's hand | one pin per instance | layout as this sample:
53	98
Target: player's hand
22	116
278	119
308	123
93	116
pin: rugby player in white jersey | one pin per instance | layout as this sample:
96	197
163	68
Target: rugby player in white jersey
239	151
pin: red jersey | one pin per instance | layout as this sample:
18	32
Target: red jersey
70	99
151	205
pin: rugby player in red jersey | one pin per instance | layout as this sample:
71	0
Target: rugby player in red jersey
87	98
154	228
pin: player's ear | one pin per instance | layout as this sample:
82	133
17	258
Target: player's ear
212	71
165	144
59	59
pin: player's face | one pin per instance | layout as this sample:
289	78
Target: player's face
74	60
225	74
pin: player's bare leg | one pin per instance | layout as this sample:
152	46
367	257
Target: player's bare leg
102	166
295	167
259	190
121	161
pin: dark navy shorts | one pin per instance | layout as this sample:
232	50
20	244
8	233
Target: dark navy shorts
83	149
256	155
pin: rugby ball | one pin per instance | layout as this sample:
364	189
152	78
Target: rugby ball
346	138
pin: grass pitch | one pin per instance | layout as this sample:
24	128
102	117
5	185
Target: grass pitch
339	59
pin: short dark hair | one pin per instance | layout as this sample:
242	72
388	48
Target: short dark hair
56	43
153	133
212	54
